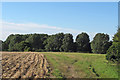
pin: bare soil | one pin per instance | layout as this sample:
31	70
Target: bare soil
24	65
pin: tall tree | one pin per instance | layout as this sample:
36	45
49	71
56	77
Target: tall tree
68	44
13	40
113	53
36	41
54	42
83	43
5	44
100	43
1	45
116	37
22	46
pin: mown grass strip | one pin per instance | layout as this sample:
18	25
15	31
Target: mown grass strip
77	64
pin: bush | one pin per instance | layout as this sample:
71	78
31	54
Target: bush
113	53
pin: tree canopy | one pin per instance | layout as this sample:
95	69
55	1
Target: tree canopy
54	42
100	43
67	45
83	43
113	53
1	45
116	37
59	42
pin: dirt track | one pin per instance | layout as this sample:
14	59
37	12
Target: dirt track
24	65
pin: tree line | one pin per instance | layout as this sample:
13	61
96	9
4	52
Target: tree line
59	42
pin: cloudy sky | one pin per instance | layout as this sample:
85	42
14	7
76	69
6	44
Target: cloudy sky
55	17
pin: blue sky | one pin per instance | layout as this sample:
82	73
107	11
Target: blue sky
54	17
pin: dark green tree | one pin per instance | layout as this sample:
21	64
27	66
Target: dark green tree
83	43
116	37
36	41
13	40
68	44
1	45
22	46
113	53
5	44
54	42
100	43
8	44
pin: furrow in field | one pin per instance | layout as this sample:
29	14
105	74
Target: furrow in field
8	65
43	65
16	70
10	59
28	71
13	65
5	57
36	68
27	65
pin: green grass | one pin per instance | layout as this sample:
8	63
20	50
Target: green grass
81	65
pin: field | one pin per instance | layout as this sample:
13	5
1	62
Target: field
24	65
56	65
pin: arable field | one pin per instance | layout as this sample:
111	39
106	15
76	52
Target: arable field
56	65
24	65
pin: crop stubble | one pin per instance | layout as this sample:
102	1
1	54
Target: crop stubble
24	65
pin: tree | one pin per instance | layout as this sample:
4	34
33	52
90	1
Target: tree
113	53
83	43
54	42
68	44
36	41
1	45
22	46
100	43
13	40
116	37
5	44
10	42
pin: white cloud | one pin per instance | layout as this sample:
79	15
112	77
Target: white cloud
27	28
17	28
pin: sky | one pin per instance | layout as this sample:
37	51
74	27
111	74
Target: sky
55	17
